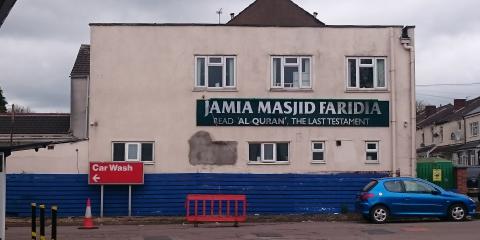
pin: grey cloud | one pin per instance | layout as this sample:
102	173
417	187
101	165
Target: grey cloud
39	40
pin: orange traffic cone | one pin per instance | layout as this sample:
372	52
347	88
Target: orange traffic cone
88	221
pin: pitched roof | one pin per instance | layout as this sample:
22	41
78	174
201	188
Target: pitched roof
81	68
474	111
279	13
470	105
441	113
448	113
36	123
447	148
5	7
470	145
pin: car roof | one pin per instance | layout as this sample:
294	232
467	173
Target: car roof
397	178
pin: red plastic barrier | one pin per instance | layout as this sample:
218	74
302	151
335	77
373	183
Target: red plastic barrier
216	208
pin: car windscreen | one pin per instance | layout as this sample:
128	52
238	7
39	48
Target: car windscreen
369	186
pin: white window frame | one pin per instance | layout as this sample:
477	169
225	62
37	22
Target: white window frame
127	150
322	150
223	63
432	131
471	158
357	76
463	158
262	159
274	153
283	64
441	133
139	152
376	150
474	129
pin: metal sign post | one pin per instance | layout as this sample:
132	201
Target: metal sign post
2	195
129	200
116	173
101	201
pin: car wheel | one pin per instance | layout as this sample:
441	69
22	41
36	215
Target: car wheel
457	212
379	214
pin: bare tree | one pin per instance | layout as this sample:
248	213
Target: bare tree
420	105
20	109
3	102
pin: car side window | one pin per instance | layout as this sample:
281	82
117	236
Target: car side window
417	187
393	186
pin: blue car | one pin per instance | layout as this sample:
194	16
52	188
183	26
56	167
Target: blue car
385	198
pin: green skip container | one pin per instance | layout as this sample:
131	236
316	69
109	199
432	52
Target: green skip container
436	170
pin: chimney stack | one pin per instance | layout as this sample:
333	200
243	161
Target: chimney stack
430	110
459	104
315	14
232	15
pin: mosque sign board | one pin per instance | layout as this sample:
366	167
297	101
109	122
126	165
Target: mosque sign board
293	112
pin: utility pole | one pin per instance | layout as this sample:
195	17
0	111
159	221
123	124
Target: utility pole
12	122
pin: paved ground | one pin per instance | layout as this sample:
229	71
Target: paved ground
275	231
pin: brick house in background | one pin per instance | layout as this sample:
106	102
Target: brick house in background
451	132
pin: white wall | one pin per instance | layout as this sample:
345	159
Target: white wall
79	107
64	158
142	80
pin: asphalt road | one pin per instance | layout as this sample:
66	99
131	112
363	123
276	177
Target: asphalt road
276	231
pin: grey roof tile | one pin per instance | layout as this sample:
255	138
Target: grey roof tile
81	68
279	13
36	123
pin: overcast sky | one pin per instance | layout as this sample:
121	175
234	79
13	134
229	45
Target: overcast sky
39	40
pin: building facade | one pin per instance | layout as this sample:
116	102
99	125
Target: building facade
451	132
282	108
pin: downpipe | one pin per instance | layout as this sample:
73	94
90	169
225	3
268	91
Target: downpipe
407	45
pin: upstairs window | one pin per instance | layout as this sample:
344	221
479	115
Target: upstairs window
133	151
291	72
215	72
474	129
366	73
432	134
441	133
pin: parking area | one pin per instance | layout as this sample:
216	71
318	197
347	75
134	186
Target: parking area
300	230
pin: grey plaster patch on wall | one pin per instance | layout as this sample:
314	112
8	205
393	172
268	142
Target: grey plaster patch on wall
205	151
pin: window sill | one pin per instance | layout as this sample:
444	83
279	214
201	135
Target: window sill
318	162
372	162
214	90
135	161
366	90
268	163
291	90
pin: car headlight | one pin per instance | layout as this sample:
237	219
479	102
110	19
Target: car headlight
471	199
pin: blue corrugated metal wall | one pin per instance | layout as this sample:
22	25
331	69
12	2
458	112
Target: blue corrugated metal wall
164	194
